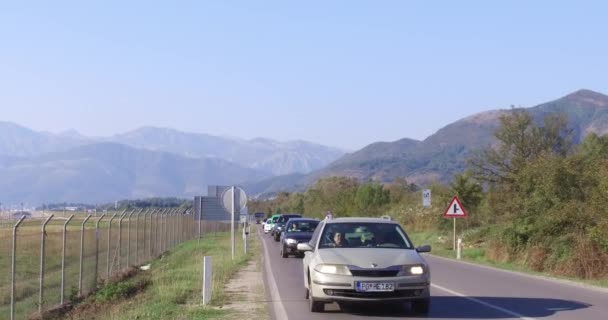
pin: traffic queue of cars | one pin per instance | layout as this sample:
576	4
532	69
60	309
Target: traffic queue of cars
354	260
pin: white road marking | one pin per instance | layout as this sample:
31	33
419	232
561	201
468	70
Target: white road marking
489	305
275	297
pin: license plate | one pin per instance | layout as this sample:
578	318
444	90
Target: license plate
374	286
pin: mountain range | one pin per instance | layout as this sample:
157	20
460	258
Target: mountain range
443	154
39	167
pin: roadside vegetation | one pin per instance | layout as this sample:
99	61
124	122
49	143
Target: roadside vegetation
171	288
536	201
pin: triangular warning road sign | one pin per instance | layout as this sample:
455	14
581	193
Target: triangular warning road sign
455	209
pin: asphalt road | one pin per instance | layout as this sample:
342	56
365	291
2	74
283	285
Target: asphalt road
459	291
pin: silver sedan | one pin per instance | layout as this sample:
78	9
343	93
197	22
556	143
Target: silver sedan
364	260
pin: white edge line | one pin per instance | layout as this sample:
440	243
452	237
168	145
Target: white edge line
533	276
489	305
277	304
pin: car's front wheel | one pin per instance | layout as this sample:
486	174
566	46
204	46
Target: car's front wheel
283	251
421	306
315	306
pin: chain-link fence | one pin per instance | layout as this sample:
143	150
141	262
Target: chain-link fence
46	263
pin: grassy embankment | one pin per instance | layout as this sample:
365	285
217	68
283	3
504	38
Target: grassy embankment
171	288
478	253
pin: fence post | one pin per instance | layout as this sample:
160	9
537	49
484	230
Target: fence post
163	230
120	238
178	233
97	249
81	254
109	246
65	226
14	253
150	235
168	230
137	238
177	221
129	239
143	254
200	220
155	250
193	225
182	233
42	243
171	226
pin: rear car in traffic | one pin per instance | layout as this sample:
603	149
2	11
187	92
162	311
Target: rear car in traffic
279	225
270	222
297	230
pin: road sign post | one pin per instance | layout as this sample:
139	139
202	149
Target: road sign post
455	210
230	204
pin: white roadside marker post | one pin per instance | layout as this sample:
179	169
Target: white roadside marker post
207	280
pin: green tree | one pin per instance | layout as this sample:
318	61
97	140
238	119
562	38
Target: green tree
299	208
370	198
595	146
520	140
468	190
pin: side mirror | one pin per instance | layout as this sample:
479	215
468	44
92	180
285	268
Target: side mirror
424	248
304	247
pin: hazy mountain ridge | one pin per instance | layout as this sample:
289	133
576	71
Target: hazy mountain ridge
42	166
441	155
267	155
16	140
107	171
262	154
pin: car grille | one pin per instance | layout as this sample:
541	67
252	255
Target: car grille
349	293
374	273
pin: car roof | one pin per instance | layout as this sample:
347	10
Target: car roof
275	216
359	220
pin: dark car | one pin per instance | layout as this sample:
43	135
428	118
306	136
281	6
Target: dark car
280	224
297	230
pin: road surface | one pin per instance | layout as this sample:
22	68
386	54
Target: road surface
459	291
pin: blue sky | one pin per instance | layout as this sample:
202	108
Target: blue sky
342	73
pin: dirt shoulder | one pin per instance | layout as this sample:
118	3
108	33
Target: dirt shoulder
245	292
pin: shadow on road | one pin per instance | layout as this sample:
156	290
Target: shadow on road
450	307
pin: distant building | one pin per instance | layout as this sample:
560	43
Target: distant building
211	205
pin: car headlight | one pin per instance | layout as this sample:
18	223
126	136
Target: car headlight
338	269
291	241
412	270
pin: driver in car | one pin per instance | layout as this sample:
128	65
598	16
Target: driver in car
339	240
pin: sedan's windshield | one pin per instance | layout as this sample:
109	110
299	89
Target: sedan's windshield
302	225
364	235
